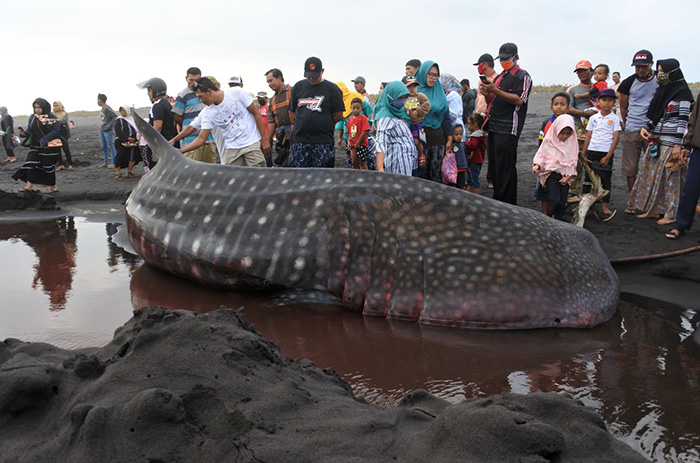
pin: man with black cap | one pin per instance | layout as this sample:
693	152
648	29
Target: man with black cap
315	106
508	97
636	93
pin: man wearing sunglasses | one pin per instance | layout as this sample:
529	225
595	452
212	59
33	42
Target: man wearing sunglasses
636	93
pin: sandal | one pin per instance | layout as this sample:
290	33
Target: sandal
674	234
606	217
130	175
119	176
23	190
51	190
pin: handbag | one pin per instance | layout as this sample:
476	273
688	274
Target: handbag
449	169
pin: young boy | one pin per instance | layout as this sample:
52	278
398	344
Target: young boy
602	136
358	128
560	105
417	106
476	149
600	75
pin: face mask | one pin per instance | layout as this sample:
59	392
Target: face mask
398	103
506	65
481	69
262	102
662	78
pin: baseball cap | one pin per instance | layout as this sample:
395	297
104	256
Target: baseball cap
507	50
485	58
409	80
313	67
359	79
607	93
642	57
262	94
235	80
583	64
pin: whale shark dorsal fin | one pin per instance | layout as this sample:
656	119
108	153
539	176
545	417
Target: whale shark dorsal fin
164	151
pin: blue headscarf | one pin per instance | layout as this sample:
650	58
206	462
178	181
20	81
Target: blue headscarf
435	94
394	90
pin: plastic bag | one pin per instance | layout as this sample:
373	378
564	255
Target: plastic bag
449	169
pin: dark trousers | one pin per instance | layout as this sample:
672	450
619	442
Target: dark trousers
604	174
66	149
691	193
503	149
557	195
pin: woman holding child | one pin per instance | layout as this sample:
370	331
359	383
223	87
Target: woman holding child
436	124
657	189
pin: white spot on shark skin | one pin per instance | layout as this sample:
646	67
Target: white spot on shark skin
295	202
240	210
219	249
451	269
228	229
261	176
204	174
216	203
479	269
207	218
294	277
299	263
247	262
312	223
176	179
195	246
198	185
253	188
178	215
153	211
303	241
270	207
262	220
318	203
186	200
285	181
289	217
232	181
166	239
328	180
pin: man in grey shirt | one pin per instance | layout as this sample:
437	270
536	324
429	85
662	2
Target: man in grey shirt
636	93
107	131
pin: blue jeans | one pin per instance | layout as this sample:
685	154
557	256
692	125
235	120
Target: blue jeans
108	150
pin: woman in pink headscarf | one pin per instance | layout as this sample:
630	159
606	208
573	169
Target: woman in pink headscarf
555	163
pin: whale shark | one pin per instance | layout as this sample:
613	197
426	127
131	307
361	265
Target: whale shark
383	244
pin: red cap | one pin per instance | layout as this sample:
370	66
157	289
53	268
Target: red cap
583	64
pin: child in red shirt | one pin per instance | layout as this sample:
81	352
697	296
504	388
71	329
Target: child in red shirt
600	75
358	128
476	147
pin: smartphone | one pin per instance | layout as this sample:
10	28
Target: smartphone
484	79
20	129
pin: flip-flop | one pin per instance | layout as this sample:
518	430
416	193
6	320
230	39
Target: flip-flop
49	191
674	236
607	217
22	190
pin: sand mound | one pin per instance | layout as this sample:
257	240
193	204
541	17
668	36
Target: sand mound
174	386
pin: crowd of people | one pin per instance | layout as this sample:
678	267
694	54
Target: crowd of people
428	124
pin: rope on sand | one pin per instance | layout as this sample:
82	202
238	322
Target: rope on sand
680	252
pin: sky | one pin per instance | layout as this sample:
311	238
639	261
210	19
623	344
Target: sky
74	49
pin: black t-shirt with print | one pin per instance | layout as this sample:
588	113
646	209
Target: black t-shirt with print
313	107
162	110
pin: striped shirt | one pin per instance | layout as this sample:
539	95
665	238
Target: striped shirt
188	106
671	128
395	140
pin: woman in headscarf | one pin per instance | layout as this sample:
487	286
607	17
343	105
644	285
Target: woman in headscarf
7	126
396	151
40	166
341	125
452	87
125	142
662	172
436	124
62	117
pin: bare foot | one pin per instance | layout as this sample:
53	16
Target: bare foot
647	215
666	221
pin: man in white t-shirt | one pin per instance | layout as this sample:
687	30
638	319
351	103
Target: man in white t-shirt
235	113
602	136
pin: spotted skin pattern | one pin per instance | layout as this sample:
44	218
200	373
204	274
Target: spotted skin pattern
388	245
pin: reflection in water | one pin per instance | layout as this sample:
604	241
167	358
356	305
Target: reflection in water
641	370
54	243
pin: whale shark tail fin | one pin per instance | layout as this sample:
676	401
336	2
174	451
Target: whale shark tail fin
165	152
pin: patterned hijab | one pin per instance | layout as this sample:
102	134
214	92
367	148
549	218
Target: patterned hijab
450	83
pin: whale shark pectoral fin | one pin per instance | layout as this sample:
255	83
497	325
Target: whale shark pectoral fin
159	145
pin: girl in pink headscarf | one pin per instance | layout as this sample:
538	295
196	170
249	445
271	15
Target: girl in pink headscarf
555	163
